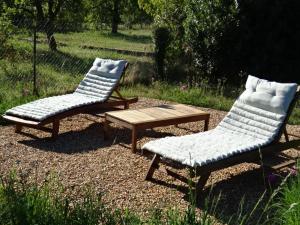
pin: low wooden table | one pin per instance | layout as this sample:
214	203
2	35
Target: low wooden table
163	115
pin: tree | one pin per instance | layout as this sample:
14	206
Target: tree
106	12
43	12
170	14
111	12
99	13
45	19
116	19
133	14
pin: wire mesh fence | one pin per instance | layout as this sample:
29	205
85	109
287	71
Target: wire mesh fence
60	70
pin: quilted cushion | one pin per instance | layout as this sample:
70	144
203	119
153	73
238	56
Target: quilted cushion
101	78
96	87
43	108
253	121
271	96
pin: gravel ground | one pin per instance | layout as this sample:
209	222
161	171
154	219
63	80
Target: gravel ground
81	157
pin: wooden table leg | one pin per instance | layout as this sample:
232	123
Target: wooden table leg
55	129
106	129
18	128
206	122
133	139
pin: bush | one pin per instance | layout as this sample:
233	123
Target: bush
205	27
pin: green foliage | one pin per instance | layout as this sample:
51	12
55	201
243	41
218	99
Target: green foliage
288	209
205	25
25	203
170	14
101	13
71	17
5	33
133	14
221	38
161	36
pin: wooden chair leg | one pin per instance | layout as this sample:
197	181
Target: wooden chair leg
153	166
18	128
126	105
55	129
286	136
133	139
202	181
106	129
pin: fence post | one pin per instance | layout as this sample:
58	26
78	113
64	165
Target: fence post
35	92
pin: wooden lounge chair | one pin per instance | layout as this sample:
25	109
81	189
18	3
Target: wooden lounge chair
250	132
93	95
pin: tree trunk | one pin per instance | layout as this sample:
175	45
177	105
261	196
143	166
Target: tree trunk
49	29
115	17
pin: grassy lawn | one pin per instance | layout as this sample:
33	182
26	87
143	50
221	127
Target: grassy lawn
136	40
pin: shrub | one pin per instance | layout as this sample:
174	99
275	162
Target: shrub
205	27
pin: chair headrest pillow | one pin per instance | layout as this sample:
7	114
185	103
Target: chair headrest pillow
271	96
112	68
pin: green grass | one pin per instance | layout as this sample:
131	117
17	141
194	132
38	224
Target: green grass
136	40
288	212
23	201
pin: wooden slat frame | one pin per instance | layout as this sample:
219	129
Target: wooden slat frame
255	156
112	102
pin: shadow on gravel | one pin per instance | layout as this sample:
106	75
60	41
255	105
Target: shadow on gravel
248	185
89	139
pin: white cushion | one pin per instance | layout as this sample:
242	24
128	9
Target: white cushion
96	87
253	121
101	78
46	107
271	96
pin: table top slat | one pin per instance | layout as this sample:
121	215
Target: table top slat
156	114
